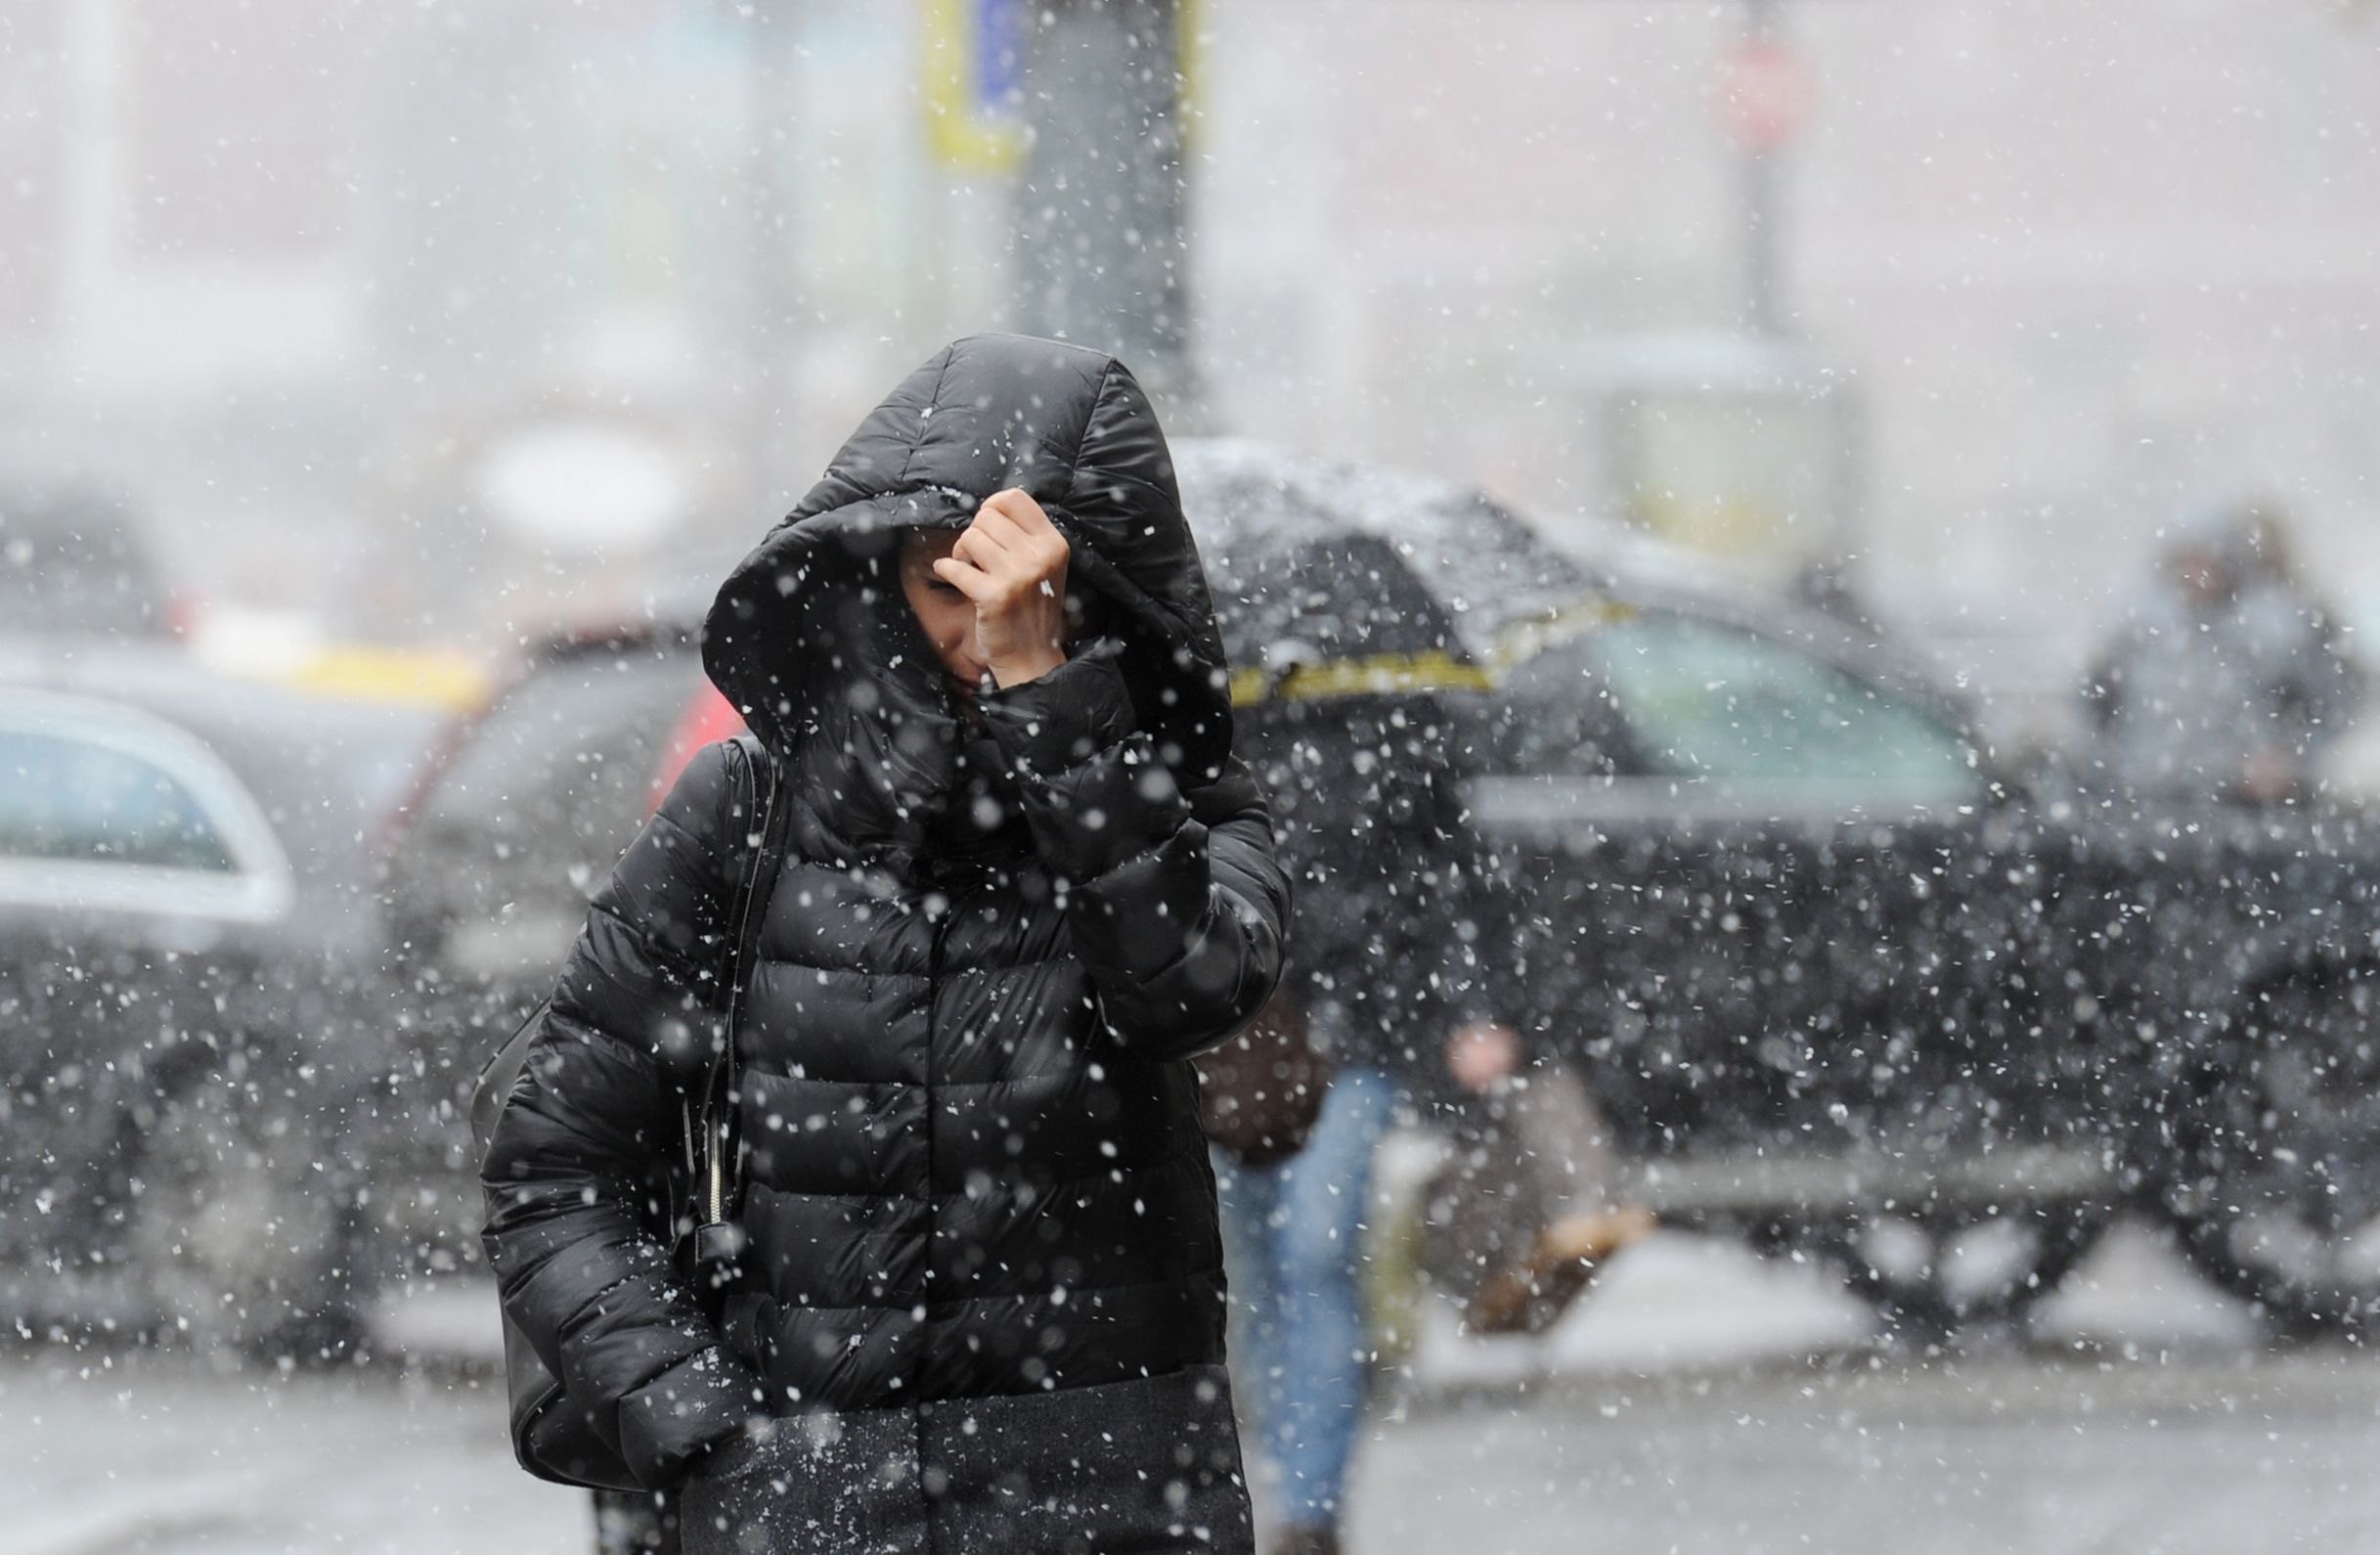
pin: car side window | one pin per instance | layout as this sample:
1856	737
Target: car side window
1705	699
1556	718
68	800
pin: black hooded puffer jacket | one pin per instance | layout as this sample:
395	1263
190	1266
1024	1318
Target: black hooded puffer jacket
985	1272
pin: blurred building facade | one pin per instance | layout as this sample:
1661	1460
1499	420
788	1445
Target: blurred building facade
291	269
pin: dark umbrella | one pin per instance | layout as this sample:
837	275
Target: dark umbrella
1334	578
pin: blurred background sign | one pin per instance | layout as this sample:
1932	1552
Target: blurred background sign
1764	94
973	57
1743	448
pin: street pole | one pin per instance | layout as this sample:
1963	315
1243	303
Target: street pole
1761	204
1101	251
767	250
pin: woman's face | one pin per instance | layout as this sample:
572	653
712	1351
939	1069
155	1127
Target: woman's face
946	616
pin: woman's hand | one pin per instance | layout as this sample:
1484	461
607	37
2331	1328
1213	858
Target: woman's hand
1010	563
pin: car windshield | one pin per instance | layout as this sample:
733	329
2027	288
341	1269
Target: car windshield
1702	699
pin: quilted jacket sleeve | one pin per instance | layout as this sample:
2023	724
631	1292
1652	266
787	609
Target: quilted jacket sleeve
577	1267
1175	902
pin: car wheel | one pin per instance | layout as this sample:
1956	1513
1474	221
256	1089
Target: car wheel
2281	1198
234	1237
1929	1274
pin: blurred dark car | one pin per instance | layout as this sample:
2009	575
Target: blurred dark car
190	994
1841	979
488	865
1842	982
75	562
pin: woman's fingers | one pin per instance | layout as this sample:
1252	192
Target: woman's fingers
1008	536
1014	540
1003	571
999	530
966	577
1018	507
978	549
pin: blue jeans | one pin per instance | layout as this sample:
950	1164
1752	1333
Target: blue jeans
1293	1235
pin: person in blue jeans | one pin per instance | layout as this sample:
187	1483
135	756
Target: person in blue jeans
1400	955
1291	1233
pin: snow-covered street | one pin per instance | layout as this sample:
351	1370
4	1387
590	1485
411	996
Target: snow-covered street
1678	1410
145	1451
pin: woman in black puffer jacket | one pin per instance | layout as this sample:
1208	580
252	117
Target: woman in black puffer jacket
1026	880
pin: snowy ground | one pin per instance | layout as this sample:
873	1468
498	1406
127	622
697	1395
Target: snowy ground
1701	1401
2008	1454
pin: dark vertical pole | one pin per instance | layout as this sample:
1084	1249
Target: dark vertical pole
1764	313
767	258
1099	221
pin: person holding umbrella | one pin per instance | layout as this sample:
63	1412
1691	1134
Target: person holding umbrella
1407	966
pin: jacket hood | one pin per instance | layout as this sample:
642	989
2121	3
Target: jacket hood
814	616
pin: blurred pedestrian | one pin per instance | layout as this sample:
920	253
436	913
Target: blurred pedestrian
1526	1205
2226	676
1402	969
981	1303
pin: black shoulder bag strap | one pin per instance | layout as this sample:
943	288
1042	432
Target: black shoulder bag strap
713	1147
